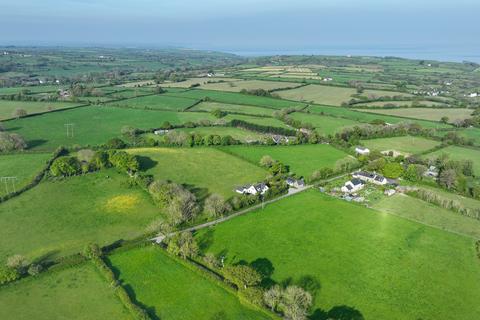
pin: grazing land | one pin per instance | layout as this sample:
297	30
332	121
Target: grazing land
429	214
339	247
402	103
233	108
324	124
60	217
330	95
73	293
92	125
302	159
204	170
432	114
405	144
23	166
173	290
237	86
194	81
460	153
7	107
158	102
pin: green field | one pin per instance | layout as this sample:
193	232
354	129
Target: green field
418	210
23	166
158	102
431	114
302	159
78	293
471	133
192	81
171	290
330	95
235	108
368	117
384	266
205	170
237	86
324	124
405	144
237	98
264	121
407	103
60	217
8	107
92	125
459	153
32	89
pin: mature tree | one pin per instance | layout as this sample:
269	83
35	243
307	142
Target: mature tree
86	155
115	143
273	297
448	178
19	113
345	164
242	276
444	119
124	161
182	207
215	206
65	166
266	161
411	174
296	302
128	131
11	142
183	245
217	113
211	260
392	170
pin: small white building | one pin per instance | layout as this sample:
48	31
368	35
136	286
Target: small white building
352	186
160	132
431	172
473	95
362	150
389	192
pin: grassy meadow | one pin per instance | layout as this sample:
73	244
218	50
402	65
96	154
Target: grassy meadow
59	217
404	144
237	86
302	159
92	125
383	266
24	166
424	212
158	102
324	124
171	290
78	293
7	107
203	170
235	108
431	114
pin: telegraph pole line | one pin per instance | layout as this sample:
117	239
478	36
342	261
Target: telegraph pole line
69	127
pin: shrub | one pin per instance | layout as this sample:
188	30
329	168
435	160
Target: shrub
115	143
11	142
392	170
8	275
65	166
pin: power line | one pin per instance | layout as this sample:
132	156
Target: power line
9	181
69	127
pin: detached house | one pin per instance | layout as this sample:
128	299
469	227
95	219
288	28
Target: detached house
295	183
260	188
362	150
370	177
353	185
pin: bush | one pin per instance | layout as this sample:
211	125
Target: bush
392	170
65	166
115	143
11	142
8	275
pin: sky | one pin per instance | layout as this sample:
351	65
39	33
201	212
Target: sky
249	26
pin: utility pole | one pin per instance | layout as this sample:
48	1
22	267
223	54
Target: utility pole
69	127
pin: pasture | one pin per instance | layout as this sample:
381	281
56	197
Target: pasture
156	102
59	217
431	114
237	86
382	266
202	170
401	103
92	125
405	144
324	124
459	153
302	159
77	293
193	81
429	214
7	107
233	108
175	290
23	166
330	95
369	117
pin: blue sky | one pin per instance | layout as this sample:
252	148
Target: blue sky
246	25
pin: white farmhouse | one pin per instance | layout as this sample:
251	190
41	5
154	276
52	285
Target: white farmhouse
370	177
252	189
362	150
295	183
353	186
